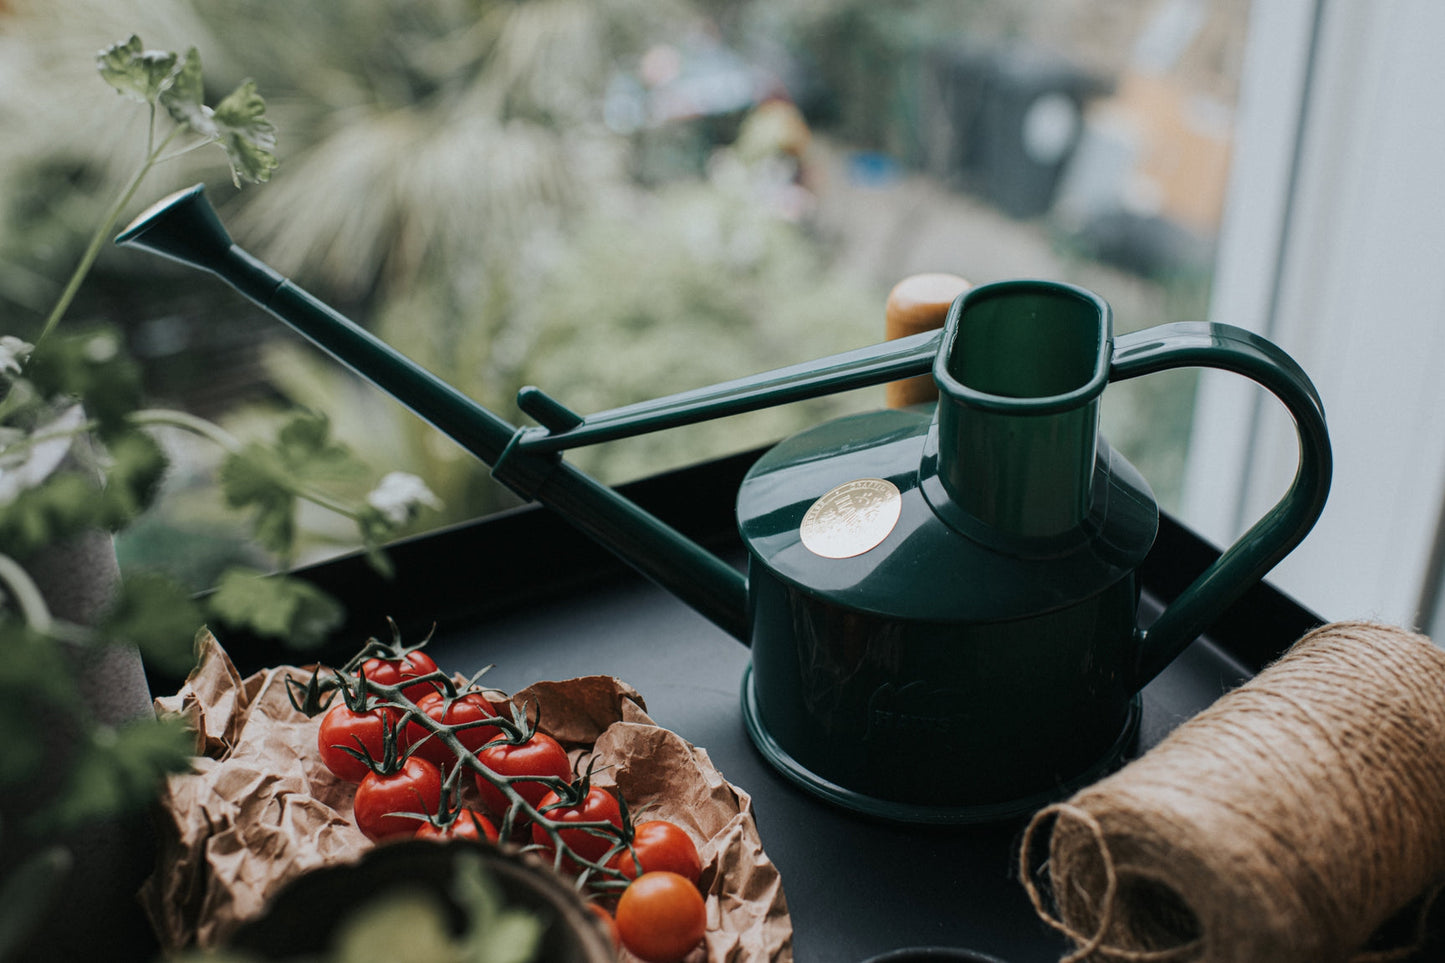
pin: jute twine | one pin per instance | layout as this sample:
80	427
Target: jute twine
1286	822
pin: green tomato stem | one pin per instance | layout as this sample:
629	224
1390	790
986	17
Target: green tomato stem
445	733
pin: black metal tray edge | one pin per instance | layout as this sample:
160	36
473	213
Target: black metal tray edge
504	562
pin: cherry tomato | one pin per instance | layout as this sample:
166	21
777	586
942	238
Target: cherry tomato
467	708
598	805
469	824
540	755
660	845
661	916
413	665
362	731
415	788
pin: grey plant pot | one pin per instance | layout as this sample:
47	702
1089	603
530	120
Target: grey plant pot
96	906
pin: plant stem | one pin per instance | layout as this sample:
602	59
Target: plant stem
27	595
97	240
30	441
168	417
33	609
151	417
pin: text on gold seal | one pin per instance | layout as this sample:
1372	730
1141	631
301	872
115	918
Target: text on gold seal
852	518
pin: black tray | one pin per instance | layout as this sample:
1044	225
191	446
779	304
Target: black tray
523	590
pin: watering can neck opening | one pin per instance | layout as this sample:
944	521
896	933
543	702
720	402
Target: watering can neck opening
1035	522
1020	371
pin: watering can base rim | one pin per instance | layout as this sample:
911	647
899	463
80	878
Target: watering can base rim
891	810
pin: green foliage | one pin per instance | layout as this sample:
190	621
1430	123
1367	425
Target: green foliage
276	607
77	454
118	768
245	135
140	74
702	283
91	368
161	78
42	430
158	617
34	677
27	893
271	478
403	925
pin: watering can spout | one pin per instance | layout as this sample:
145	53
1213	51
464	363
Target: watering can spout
184	227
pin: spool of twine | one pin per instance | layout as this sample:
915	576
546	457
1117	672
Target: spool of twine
1287	822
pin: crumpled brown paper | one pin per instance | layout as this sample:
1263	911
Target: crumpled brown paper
260	809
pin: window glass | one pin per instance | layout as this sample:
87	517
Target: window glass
620	200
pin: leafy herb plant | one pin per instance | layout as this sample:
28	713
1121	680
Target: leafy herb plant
77	455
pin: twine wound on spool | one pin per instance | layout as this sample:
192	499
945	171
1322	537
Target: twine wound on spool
1287	822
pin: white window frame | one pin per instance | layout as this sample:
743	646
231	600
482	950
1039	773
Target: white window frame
1333	246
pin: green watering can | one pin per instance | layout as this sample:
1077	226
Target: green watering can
942	603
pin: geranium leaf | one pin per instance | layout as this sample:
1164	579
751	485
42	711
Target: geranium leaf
275	606
137	73
184	98
248	138
158	616
118	768
251	478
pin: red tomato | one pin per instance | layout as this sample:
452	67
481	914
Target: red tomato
413	665
469	824
362	731
661	917
598	806
415	788
540	755
660	846
467	708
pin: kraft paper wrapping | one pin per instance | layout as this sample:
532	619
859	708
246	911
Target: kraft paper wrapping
259	808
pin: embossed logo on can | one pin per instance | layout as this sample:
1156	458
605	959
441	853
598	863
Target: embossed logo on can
852	518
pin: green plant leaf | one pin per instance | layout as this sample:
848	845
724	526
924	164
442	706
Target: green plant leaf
64	505
34	678
118	768
184	98
307	450
254	478
397	925
27	459
27	892
137	73
136	466
495	931
275	606
158	616
248	138
92	367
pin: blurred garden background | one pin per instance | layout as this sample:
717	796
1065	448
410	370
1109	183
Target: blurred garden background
615	200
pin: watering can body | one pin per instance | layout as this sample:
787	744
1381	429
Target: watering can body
944	600
941	602
932	678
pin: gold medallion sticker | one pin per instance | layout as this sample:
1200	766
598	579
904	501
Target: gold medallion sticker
852	518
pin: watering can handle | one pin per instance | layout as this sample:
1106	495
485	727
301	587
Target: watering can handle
1192	344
